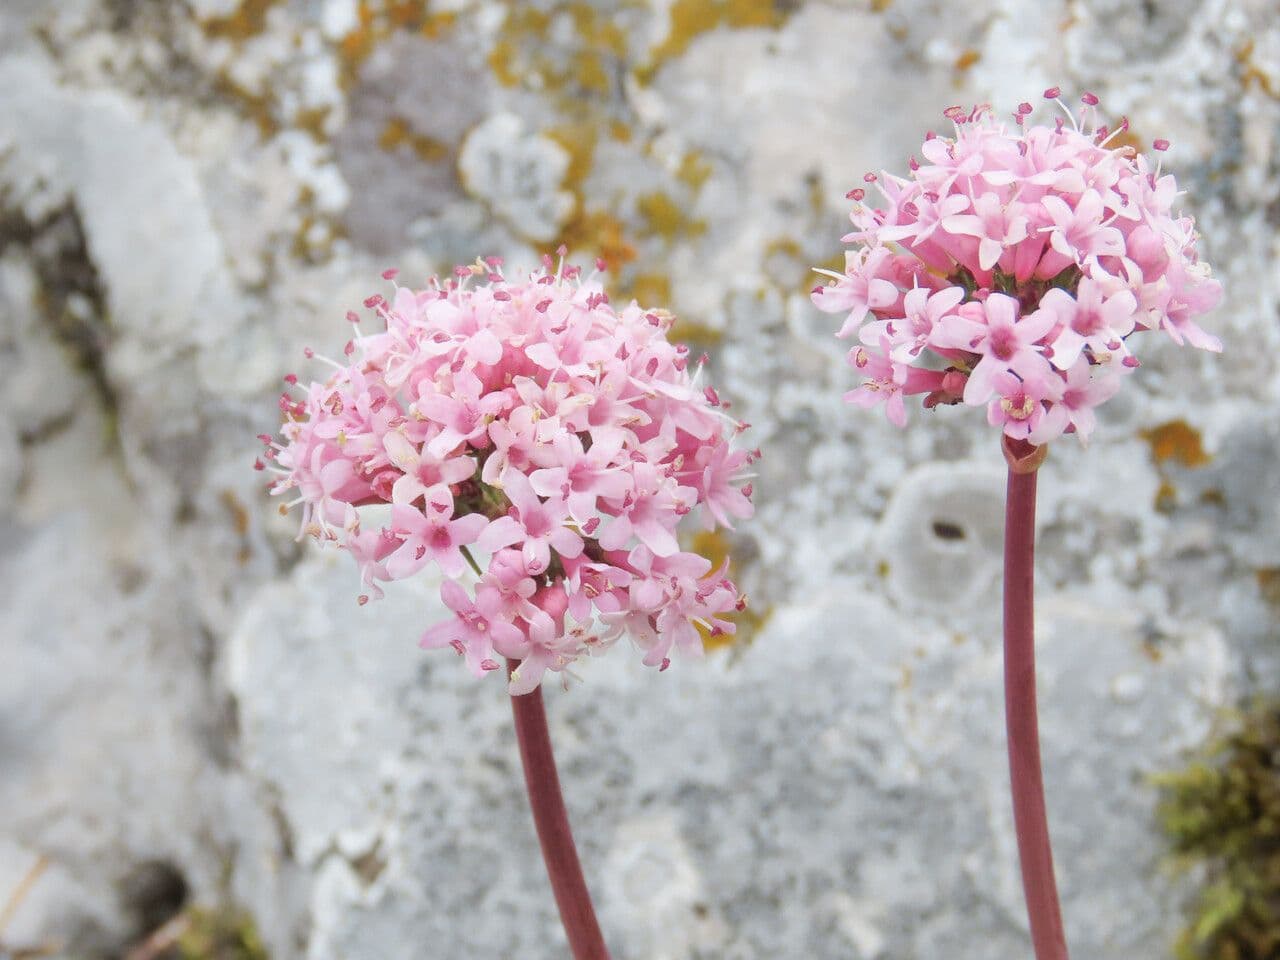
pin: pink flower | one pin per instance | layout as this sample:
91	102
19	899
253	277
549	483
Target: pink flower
995	225
1006	343
563	441
859	290
420	469
1026	250
431	536
581	477
1092	321
477	630
537	525
888	382
1087	386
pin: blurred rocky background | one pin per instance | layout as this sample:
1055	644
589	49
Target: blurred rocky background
207	749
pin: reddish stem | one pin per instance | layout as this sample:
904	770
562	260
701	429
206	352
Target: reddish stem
552	822
1029	817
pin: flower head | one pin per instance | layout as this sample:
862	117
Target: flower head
565	441
1011	269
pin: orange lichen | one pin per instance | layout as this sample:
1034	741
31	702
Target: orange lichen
1176	441
966	60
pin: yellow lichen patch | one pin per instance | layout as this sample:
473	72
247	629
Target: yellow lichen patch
379	19
239	515
589	72
1166	497
664	218
525	51
598	32
834	263
314	236
312	120
502	60
255	107
692	18
694	170
786	265
1251	74
714	545
248	20
601	234
397	133
1178	442
880	6
579	141
620	131
649	289
694	334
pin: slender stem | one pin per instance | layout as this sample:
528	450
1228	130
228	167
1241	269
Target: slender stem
552	822
471	561
1029	817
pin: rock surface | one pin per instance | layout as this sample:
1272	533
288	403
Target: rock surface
193	706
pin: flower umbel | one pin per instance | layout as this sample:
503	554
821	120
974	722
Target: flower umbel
1011	269
533	422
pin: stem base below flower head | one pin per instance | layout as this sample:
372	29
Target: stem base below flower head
552	822
1035	854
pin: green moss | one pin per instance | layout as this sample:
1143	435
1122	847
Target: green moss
219	935
1222	814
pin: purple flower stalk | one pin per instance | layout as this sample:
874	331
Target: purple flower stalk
1010	271
566	442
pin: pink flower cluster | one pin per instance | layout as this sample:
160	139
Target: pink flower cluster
564	441
1010	269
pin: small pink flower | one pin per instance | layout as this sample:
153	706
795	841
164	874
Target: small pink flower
431	536
477	630
536	525
1092	321
1006	343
